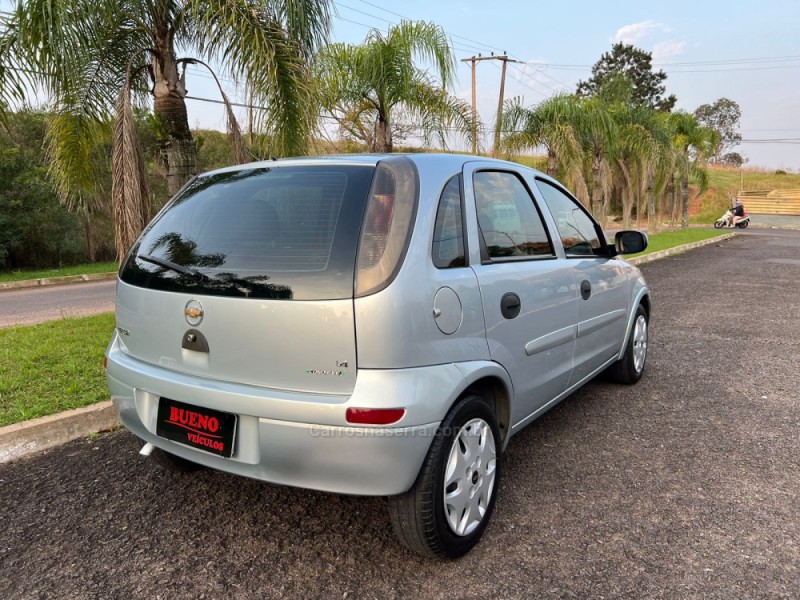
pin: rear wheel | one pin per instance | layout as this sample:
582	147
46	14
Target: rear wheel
447	509
743	224
630	367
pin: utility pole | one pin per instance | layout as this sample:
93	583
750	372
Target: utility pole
473	61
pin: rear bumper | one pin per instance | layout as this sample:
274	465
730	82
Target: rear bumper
298	439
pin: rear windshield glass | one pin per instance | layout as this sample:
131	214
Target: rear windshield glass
289	233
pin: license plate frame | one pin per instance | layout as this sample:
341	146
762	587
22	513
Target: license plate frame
206	429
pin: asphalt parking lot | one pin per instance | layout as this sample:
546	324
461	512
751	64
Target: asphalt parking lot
684	486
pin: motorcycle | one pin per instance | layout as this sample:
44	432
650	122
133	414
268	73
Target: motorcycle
726	220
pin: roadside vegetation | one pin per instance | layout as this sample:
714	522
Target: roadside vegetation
725	182
52	367
84	269
670	239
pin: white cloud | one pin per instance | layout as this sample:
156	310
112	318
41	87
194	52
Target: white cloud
663	51
635	32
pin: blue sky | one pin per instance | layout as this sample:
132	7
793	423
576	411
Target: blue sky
577	33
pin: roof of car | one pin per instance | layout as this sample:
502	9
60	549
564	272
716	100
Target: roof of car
421	159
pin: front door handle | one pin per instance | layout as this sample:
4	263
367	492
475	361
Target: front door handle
586	289
510	305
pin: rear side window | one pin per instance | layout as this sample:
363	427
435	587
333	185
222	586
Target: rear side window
448	233
509	221
576	229
287	232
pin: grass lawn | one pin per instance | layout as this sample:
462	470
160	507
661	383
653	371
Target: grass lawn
670	239
106	267
51	367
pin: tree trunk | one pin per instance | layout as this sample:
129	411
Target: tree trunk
673	220
383	135
87	227
597	200
652	213
627	205
178	150
685	202
552	164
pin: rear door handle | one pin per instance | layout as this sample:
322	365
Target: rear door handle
510	305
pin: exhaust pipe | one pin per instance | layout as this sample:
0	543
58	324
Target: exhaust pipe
147	449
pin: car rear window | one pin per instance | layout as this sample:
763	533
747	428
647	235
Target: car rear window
288	232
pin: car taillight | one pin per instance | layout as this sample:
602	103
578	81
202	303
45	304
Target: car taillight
388	220
374	416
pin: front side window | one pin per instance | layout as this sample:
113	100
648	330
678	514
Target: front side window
508	219
448	233
576	229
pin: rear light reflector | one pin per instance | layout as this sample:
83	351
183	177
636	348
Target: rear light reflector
374	416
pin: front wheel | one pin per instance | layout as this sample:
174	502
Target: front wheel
718	225
447	509
630	367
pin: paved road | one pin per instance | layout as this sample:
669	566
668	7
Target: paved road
684	486
34	305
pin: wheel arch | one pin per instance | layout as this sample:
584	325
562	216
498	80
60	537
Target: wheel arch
492	382
643	298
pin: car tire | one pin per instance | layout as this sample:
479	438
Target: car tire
628	370
446	511
173	463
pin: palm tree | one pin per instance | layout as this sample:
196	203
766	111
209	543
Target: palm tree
553	124
364	87
644	150
90	57
598	133
693	144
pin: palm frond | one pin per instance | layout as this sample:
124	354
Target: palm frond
240	153
129	190
250	39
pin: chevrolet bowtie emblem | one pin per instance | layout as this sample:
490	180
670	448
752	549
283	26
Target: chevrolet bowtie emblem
194	312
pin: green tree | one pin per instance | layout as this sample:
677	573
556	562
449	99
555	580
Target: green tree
599	136
723	117
554	124
693	145
90	57
35	230
627	67
375	89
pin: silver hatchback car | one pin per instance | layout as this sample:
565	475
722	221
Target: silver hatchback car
374	325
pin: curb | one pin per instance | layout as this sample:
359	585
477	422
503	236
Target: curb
21	439
25	438
640	260
30	283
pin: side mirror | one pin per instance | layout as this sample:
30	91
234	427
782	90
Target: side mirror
630	242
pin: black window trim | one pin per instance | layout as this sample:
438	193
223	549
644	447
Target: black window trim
485	258
464	236
604	249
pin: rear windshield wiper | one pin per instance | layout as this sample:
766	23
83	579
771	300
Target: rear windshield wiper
168	264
